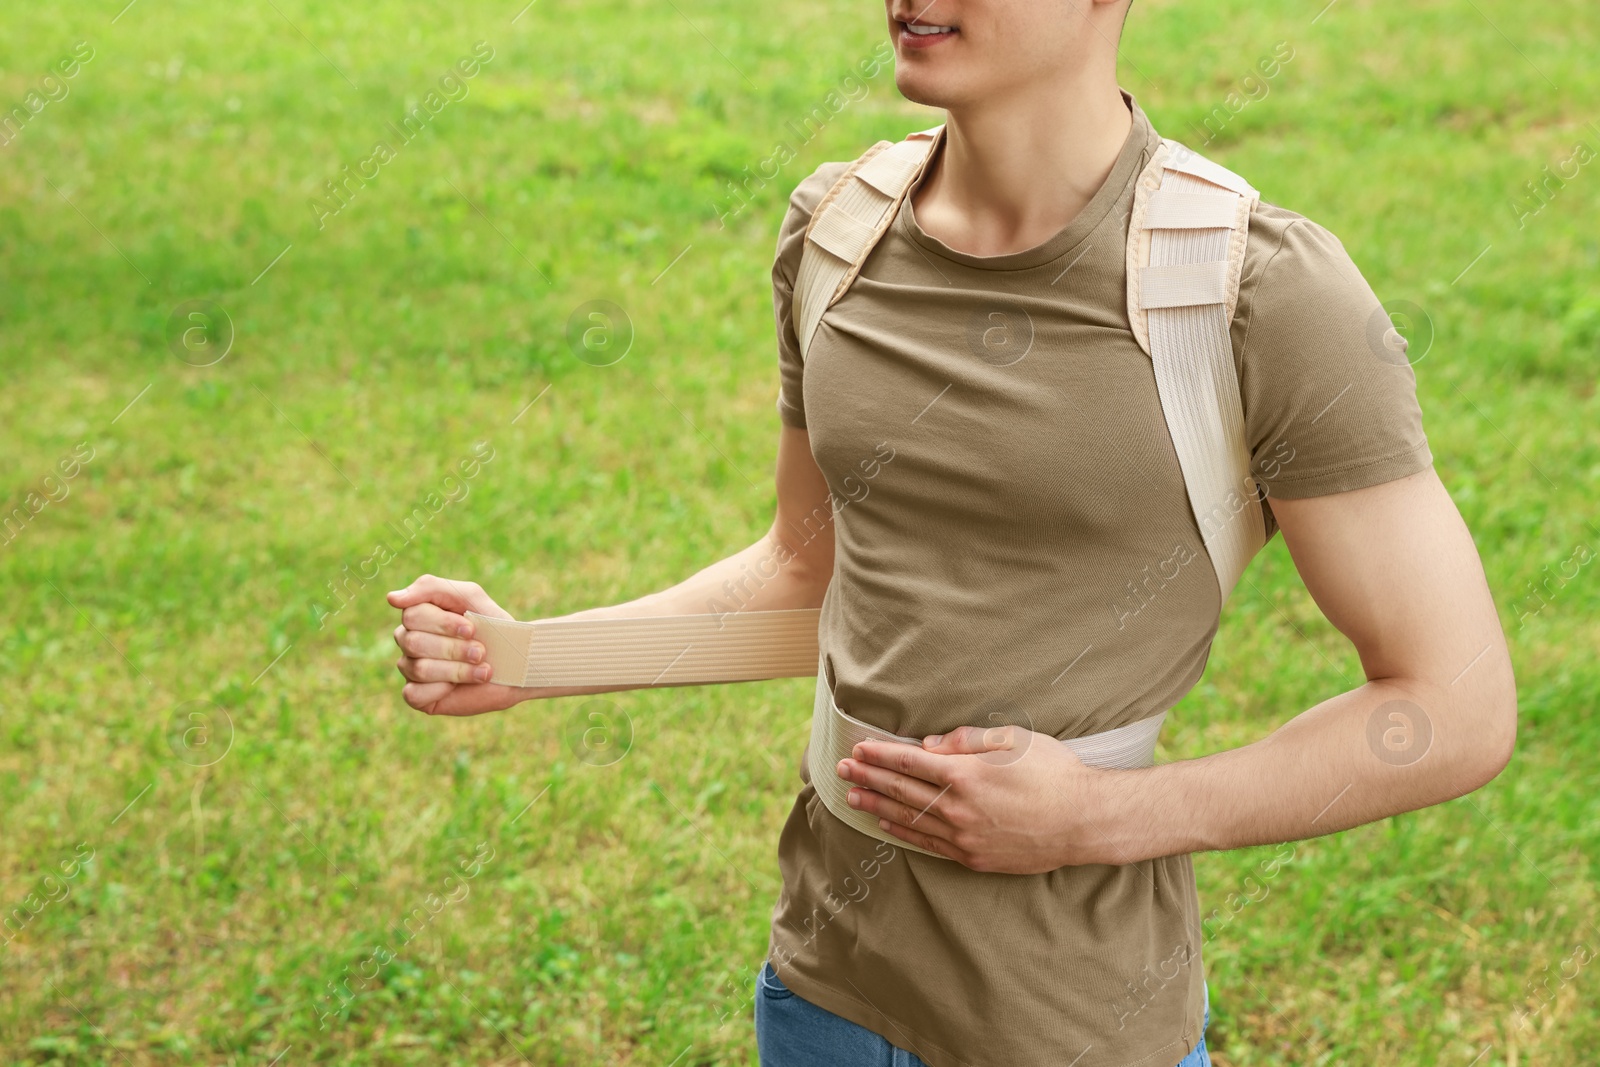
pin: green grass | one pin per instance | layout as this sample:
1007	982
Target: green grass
621	914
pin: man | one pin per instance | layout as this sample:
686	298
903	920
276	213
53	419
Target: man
1012	560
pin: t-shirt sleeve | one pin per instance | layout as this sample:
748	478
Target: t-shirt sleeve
1330	397
785	265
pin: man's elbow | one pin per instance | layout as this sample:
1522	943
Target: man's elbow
1505	735
1494	740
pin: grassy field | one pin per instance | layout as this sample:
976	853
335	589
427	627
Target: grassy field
230	841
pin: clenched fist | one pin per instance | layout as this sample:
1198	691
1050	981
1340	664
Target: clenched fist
444	665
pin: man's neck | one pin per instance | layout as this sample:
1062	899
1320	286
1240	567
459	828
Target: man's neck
1008	178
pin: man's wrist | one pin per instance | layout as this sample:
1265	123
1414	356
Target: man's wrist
1143	813
1112	823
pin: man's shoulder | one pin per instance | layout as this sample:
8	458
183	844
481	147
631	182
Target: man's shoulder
803	203
1298	260
1277	231
1291	244
814	186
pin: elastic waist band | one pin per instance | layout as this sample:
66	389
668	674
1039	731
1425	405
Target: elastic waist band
835	732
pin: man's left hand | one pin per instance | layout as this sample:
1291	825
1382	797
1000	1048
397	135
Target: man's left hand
1001	799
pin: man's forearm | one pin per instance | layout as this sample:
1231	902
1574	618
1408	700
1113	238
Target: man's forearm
1378	750
769	575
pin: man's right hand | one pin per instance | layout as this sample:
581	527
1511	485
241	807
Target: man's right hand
443	663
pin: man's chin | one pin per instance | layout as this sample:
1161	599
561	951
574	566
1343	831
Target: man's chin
929	92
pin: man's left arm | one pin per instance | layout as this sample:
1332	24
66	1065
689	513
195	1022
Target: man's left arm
1394	568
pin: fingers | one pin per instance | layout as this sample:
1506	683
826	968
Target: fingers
475	700
936	845
419	644
423	696
428	589
447	593
443	698
908	759
971	739
441	662
442	670
430	618
913	792
922	819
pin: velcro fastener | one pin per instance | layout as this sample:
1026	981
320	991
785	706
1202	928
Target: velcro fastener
891	170
839	234
1184	285
1171	210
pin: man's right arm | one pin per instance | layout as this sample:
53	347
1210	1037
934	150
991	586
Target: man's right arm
443	663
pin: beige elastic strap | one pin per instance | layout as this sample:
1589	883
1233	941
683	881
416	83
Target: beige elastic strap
1185	256
849	222
1189	211
839	233
651	650
835	732
1185	160
1184	284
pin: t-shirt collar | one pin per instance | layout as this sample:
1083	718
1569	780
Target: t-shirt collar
1136	150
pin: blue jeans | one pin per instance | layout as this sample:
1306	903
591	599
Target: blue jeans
793	1032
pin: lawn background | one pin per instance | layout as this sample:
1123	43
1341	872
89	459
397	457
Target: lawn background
619	918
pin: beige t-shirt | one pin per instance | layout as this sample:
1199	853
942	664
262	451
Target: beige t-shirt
1014	544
